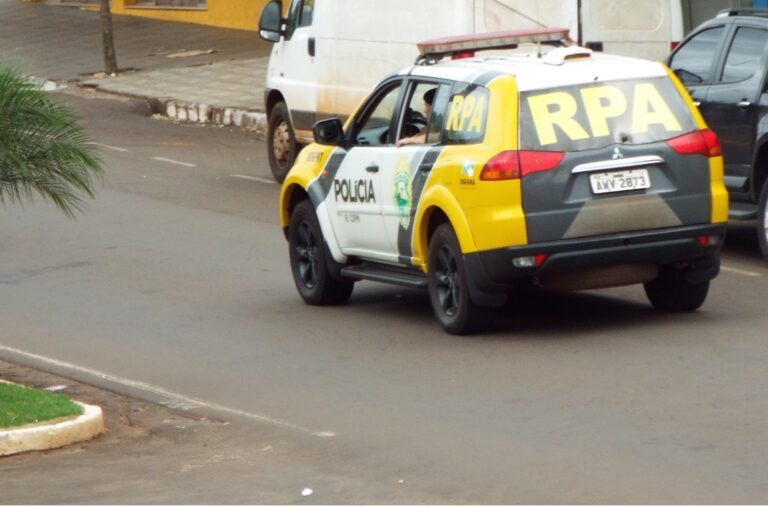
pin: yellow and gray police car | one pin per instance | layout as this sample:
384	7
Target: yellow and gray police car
470	177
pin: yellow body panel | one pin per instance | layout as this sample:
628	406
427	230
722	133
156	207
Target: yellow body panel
485	214
719	192
307	167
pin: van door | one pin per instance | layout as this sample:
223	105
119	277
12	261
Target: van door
292	67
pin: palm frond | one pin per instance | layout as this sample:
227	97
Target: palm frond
43	150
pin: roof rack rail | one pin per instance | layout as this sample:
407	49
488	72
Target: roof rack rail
464	46
725	13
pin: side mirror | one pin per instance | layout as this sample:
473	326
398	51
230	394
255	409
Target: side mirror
328	132
271	21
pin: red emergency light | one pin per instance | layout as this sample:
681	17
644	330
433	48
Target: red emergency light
510	39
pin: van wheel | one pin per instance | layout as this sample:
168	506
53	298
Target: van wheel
762	221
672	292
310	260
281	142
447	283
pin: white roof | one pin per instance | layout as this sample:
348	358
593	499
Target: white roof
552	70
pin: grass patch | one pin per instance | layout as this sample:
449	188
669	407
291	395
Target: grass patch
20	406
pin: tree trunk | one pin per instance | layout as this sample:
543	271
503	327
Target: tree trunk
107	39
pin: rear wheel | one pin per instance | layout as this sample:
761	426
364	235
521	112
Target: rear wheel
310	260
762	220
281	142
448	290
672	292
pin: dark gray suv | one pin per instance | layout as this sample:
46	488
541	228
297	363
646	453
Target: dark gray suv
724	65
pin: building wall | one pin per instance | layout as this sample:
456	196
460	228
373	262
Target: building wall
240	14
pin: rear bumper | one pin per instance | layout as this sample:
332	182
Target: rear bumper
491	273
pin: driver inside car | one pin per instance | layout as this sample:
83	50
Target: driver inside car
421	136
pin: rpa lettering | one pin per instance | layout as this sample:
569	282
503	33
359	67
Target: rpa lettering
558	109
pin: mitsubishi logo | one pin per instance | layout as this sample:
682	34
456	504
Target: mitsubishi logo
617	154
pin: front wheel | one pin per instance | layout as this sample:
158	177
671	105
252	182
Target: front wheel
762	221
672	292
448	288
310	260
281	142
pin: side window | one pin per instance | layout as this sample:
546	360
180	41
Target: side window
467	114
307	10
693	62
744	55
373	128
299	14
421	122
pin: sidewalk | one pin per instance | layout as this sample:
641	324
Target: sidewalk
190	72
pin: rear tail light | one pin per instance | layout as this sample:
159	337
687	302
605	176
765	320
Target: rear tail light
513	165
504	166
701	142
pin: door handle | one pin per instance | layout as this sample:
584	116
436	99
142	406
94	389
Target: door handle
373	168
744	103
311	46
697	103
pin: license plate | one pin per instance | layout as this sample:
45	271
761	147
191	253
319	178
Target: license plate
620	181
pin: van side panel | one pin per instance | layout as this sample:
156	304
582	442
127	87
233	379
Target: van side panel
644	29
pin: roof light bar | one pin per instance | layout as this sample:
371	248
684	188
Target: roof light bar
510	39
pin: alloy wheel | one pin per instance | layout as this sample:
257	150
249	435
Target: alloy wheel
447	275
306	255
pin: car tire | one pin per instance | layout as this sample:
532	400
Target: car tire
310	260
670	291
448	288
282	147
762	220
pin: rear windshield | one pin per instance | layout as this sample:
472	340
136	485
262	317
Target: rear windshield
593	116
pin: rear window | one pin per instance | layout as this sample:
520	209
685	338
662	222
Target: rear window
467	114
593	116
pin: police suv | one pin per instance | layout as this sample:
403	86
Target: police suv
472	176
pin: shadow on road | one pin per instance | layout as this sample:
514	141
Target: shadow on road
529	312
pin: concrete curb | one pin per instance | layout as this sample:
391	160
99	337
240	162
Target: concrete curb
52	436
185	112
203	113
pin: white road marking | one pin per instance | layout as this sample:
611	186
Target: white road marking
742	272
171	161
113	148
175	400
254	178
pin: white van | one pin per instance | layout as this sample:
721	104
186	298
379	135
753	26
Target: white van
328	54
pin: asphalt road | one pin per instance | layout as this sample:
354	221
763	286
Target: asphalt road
175	284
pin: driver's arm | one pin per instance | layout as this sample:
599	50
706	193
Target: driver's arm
419	138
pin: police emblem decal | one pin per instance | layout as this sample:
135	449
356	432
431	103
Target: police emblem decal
402	191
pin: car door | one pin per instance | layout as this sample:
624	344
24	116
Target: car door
696	59
405	168
354	199
732	102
